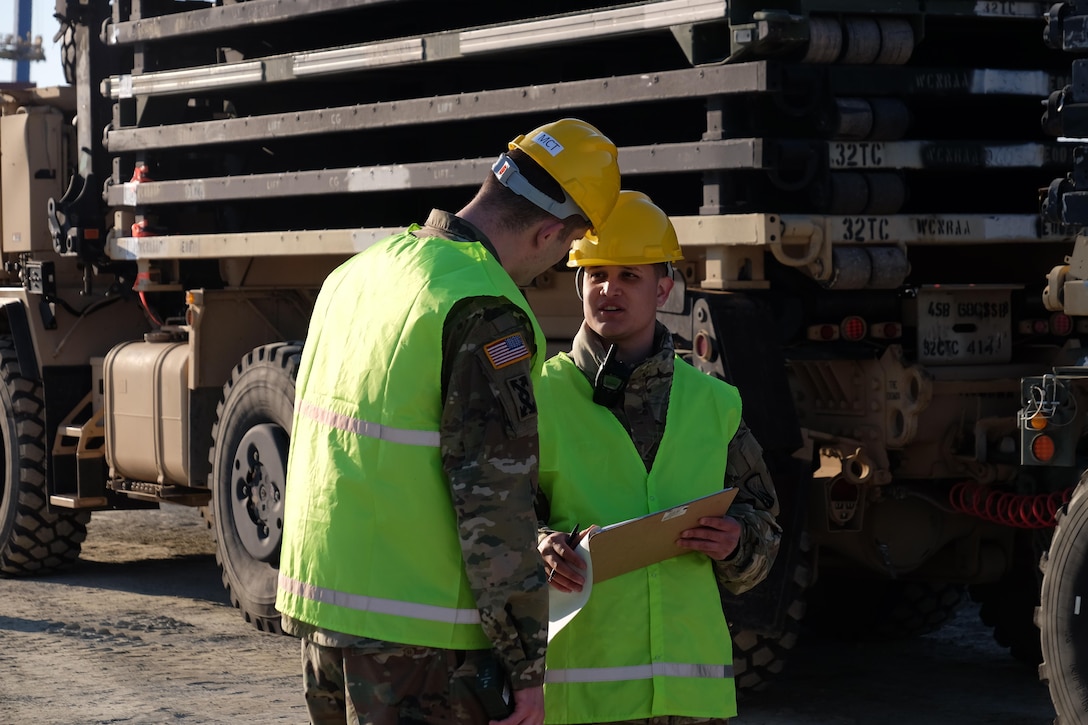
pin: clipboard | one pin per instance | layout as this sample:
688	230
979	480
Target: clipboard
628	545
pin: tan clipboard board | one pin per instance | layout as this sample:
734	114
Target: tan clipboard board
629	545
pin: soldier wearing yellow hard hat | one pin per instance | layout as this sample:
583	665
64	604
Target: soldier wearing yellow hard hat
413	455
652	433
578	157
640	234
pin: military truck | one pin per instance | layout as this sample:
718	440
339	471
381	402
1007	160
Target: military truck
1052	419
856	188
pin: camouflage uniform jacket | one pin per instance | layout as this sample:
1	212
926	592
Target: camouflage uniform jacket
491	462
642	412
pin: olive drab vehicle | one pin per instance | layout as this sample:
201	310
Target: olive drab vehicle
856	187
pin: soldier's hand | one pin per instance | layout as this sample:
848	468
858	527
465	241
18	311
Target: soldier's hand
716	537
528	708
564	565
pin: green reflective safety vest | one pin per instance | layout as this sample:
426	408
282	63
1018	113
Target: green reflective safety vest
370	539
652	642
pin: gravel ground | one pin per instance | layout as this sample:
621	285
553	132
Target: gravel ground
141	632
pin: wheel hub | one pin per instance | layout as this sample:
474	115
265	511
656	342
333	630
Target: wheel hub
258	483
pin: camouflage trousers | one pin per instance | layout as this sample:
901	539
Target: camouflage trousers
411	686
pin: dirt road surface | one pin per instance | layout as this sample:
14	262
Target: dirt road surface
141	633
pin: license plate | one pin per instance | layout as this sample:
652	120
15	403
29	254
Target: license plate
959	325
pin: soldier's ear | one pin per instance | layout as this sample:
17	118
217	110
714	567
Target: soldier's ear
664	289
548	233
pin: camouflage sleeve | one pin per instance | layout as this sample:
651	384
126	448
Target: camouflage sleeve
543	516
490	453
756	507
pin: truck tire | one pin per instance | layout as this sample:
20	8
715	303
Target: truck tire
1010	614
68	55
247	480
758	659
1008	605
32	539
1062	625
874	611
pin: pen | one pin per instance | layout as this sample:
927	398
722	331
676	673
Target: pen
571	537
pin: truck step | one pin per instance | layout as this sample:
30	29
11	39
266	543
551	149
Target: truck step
77	502
158	492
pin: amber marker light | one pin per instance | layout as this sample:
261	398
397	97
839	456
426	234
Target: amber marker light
1038	421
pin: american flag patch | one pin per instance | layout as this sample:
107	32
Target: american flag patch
507	351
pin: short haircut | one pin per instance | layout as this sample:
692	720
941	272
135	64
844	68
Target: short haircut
511	211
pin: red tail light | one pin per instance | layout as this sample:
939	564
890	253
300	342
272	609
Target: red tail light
823	333
1042	447
1061	324
853	328
886	330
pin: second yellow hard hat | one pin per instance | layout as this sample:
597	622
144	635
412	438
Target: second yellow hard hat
637	232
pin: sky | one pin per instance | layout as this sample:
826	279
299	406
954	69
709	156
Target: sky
44	72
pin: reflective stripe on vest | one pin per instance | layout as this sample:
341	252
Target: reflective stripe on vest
367	428
593	472
362	603
370	538
637	672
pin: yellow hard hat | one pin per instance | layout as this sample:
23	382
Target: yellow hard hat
582	159
637	232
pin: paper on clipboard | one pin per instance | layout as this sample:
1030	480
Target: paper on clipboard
629	545
633	544
564	606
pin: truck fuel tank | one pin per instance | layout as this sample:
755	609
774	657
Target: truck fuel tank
146	411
